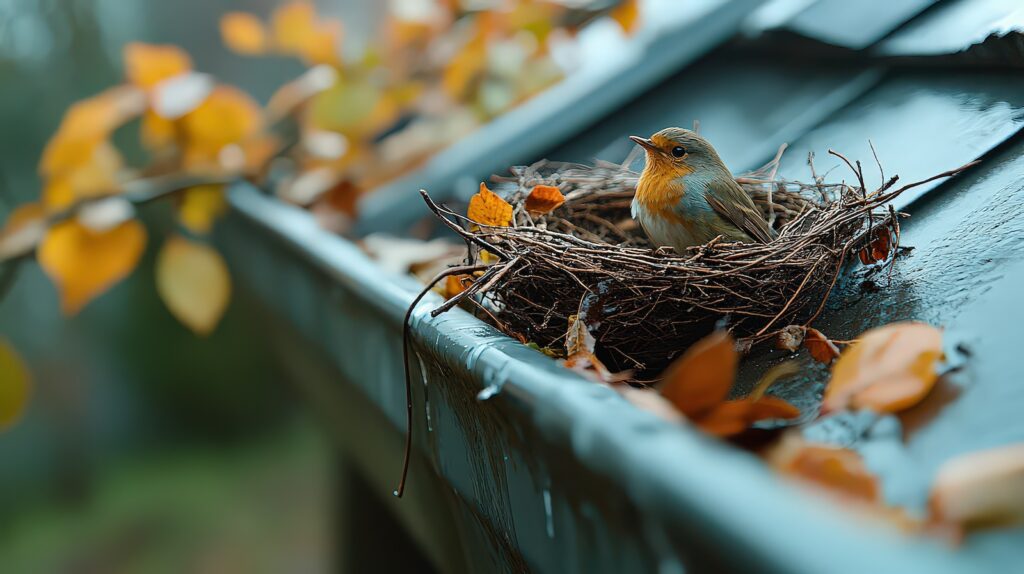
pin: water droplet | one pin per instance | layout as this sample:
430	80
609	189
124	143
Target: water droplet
394	492
549	518
488	392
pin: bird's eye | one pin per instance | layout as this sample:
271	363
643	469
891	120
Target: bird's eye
678	151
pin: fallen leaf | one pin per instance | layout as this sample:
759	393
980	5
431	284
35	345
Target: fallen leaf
146	65
488	208
790	338
323	44
15	383
83	263
156	132
579	350
980	489
733	417
820	347
455	284
193	282
544	199
200	206
878	249
627	14
243	33
887	370
839	470
343	197
700	380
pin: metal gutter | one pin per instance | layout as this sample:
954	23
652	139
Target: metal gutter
555	471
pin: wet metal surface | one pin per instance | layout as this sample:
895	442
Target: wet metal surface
551	473
956	26
850	24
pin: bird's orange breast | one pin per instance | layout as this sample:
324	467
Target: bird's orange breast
660	188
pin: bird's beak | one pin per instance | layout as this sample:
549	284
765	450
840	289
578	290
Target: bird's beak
645	143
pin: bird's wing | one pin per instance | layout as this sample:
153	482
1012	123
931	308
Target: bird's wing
732	203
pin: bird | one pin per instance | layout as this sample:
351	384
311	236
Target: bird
686	196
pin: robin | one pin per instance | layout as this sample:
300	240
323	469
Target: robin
686	196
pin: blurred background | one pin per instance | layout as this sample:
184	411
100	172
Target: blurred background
144	447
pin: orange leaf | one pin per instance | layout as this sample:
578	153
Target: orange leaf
544	199
85	263
980	489
733	417
15	382
156	132
323	44
200	206
455	284
243	33
87	125
889	369
194	283
146	65
228	116
700	379
487	208
838	469
627	14
292	25
878	249
819	346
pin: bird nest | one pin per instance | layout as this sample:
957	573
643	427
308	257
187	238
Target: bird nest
587	261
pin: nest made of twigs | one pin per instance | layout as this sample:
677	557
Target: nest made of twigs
644	305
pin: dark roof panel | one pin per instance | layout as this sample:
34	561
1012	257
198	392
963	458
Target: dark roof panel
921	124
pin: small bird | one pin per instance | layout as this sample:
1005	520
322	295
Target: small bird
686	196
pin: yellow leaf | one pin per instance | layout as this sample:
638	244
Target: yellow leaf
700	380
193	282
23	230
467	65
96	177
201	206
243	33
455	284
15	382
887	370
22	216
544	199
85	263
228	116
487	208
292	25
839	470
627	14
146	65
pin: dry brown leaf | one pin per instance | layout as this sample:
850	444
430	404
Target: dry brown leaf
243	33
820	347
888	369
544	199
84	263
193	282
733	417
488	208
146	65
15	382
790	338
839	470
980	489
878	249
700	380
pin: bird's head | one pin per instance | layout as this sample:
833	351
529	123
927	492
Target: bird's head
679	152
